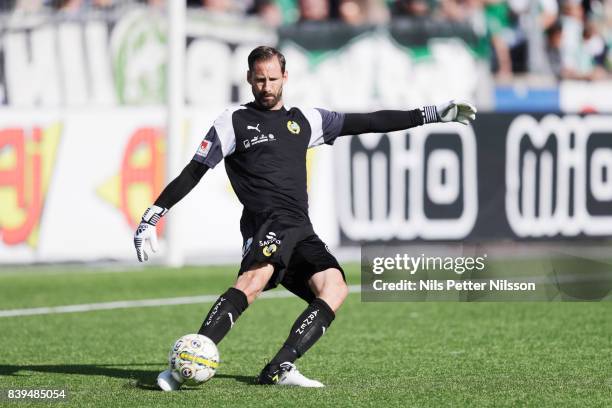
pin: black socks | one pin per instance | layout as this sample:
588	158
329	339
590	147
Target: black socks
224	313
307	329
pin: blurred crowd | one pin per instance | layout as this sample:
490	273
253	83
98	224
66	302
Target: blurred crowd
570	39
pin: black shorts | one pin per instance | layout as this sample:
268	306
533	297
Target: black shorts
291	246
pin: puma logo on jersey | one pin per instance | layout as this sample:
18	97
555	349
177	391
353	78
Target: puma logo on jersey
249	127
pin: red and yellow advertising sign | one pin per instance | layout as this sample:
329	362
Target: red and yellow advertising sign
27	157
141	176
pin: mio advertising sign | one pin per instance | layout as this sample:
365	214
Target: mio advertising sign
522	177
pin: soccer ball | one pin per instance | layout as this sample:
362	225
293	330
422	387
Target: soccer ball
193	359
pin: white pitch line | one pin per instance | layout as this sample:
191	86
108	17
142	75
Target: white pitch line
127	304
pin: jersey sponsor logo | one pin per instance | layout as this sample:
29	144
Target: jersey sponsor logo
293	127
261	139
270	245
268	250
204	148
270	239
247	143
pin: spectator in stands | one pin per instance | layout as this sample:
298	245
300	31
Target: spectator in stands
359	12
269	12
597	49
582	50
314	10
79	6
503	36
22	6
103	4
411	8
470	12
453	10
533	18
219	6
69	6
553	48
158	4
352	12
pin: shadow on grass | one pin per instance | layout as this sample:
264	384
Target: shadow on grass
139	378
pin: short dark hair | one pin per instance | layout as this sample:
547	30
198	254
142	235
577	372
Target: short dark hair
264	53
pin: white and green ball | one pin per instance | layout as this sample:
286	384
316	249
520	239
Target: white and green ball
194	359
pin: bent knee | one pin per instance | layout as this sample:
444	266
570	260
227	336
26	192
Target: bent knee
341	290
253	282
334	290
250	285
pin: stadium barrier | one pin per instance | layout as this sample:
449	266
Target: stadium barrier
74	184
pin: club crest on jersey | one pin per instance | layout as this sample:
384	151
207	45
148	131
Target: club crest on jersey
293	127
204	148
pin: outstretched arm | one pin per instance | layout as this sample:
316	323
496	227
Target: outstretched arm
392	120
380	121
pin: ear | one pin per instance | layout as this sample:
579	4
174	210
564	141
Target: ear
248	78
285	76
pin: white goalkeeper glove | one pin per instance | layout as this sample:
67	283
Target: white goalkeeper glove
451	111
456	111
146	232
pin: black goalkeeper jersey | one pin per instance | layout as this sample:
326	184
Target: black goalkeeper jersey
265	153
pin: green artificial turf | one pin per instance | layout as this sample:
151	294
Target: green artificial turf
375	354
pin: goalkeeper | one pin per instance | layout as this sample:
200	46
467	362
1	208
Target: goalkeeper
264	146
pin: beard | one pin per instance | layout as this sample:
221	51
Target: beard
268	100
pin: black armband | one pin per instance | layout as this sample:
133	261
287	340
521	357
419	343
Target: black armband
182	185
381	121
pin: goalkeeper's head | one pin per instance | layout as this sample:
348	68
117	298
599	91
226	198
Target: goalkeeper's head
267	75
